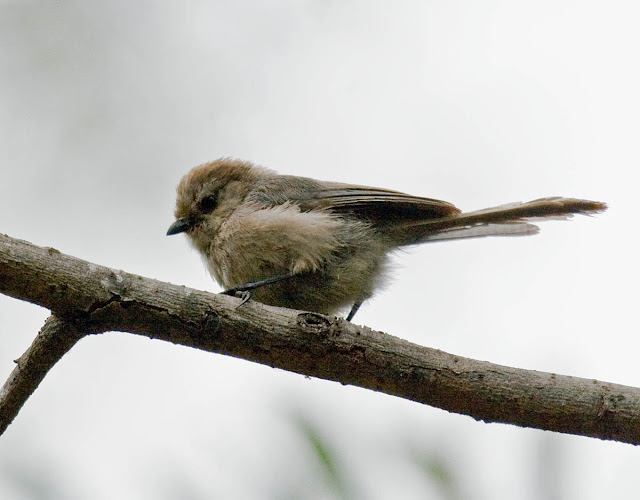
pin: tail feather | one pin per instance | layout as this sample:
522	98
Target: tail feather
541	208
512	219
482	231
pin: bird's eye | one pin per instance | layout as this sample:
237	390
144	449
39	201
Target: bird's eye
207	204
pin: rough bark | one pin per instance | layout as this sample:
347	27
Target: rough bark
86	298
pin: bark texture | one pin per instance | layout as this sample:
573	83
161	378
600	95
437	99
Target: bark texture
86	298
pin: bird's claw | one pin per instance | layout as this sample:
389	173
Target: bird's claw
245	296
239	292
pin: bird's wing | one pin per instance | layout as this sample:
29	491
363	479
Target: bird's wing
377	204
408	220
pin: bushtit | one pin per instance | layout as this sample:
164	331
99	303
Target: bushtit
323	246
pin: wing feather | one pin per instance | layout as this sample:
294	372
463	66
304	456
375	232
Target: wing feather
380	205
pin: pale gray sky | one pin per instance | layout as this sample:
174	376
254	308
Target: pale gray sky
105	105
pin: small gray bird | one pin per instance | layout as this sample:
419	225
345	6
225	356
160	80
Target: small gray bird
323	246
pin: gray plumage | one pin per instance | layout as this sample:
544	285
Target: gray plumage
327	243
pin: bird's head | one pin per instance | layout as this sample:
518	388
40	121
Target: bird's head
209	193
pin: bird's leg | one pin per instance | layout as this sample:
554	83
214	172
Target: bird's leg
353	311
246	289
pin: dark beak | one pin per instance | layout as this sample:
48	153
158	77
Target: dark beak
179	226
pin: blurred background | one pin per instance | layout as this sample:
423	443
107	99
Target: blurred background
105	105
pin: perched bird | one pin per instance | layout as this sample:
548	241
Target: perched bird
323	246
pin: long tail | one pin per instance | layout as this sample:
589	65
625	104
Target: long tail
513	219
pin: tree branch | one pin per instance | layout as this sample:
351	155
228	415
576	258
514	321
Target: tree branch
53	341
87	298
